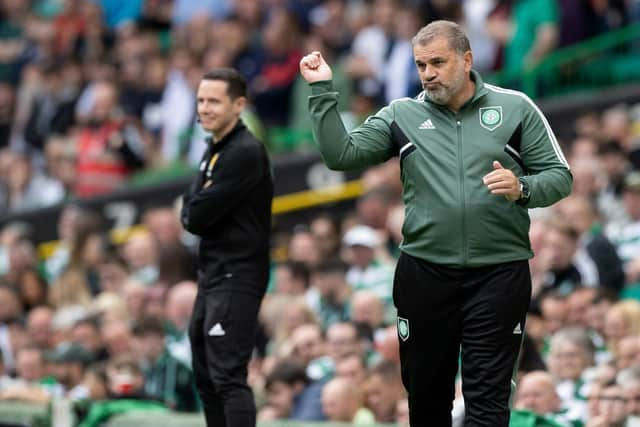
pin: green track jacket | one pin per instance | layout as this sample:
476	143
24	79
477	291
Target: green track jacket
451	218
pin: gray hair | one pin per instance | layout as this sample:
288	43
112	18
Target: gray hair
575	335
458	40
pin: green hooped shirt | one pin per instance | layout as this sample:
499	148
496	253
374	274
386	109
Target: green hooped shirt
451	218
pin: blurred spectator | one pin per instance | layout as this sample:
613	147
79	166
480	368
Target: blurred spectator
366	272
53	107
39	327
622	319
476	13
177	310
31	384
367	309
596	257
578	21
629	380
140	254
628	352
27	188
116	336
611	408
326	229
271	88
387	345
529	33
536	392
399	77
12	39
561	243
373	207
370	49
7	106
32	289
67	364
329	294
578	302
306	343
292	278
108	148
303	247
291	395
626	237
134	294
615	165
554	311
66	227
79	278
112	273
166	378
353	368
571	352
342	402
342	340
10	312
383	389
86	333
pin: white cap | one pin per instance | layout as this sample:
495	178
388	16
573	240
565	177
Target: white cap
361	235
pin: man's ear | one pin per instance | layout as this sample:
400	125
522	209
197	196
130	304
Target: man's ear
468	61
239	103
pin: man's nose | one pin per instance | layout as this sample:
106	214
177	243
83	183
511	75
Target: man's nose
429	73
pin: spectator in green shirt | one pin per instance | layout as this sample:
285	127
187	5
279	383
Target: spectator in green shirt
166	378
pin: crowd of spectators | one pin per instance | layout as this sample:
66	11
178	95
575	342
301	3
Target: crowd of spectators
93	91
100	322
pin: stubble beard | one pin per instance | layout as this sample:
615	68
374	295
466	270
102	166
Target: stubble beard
444	94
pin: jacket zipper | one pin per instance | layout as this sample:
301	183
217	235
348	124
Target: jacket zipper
465	249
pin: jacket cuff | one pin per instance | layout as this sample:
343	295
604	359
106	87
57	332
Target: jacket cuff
322	86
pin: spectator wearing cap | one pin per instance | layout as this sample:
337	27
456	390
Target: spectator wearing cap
166	378
365	271
67	364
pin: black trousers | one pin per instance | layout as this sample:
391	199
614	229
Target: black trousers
222	333
480	311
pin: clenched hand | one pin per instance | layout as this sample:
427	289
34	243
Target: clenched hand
502	181
314	68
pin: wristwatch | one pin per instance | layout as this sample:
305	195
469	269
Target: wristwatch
524	191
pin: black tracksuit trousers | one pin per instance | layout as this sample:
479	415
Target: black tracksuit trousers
442	311
222	333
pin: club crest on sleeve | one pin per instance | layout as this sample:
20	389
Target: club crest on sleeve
403	328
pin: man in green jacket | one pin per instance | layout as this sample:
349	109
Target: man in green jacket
474	157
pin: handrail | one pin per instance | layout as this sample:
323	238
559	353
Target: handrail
566	55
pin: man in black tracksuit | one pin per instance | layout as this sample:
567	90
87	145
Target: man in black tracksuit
229	206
